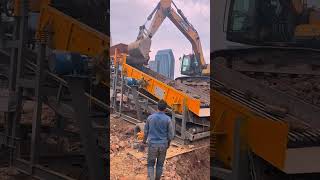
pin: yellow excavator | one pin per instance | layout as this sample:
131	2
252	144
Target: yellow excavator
286	22
310	25
192	64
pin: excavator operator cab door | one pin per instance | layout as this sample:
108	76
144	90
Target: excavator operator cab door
189	65
241	20
260	22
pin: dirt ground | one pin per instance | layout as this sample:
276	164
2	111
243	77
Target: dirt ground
183	162
127	164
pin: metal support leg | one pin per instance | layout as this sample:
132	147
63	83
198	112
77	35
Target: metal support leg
60	123
240	165
136	102
184	121
23	26
2	36
88	139
59	94
122	86
174	122
36	118
17	67
114	88
13	75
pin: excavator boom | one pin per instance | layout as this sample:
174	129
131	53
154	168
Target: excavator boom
139	50
190	33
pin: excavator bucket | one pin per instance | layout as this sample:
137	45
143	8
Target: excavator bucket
139	51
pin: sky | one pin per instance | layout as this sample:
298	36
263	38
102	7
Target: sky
128	15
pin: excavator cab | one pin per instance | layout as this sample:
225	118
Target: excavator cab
190	65
261	22
274	22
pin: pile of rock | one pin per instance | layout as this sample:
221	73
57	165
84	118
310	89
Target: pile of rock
116	144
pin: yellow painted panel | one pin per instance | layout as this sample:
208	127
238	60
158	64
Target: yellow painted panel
68	34
164	91
265	137
307	31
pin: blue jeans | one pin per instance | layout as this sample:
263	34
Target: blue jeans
156	152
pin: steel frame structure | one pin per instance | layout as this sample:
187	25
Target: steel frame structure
12	104
237	119
141	103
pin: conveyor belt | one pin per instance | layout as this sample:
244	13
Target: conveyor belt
193	92
300	133
305	112
176	94
197	82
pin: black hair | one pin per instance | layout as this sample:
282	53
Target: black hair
162	105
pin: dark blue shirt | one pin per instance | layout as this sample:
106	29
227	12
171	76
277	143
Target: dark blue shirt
158	129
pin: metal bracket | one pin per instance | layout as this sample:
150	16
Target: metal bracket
240	163
79	102
221	173
137	104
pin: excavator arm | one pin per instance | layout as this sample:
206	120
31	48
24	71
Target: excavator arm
159	14
141	47
190	33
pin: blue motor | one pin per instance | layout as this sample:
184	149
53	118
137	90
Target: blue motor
131	82
66	63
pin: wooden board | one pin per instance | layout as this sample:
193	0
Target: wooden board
173	151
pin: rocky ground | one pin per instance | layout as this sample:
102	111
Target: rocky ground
54	144
125	165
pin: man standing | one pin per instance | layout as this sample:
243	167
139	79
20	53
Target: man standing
159	132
